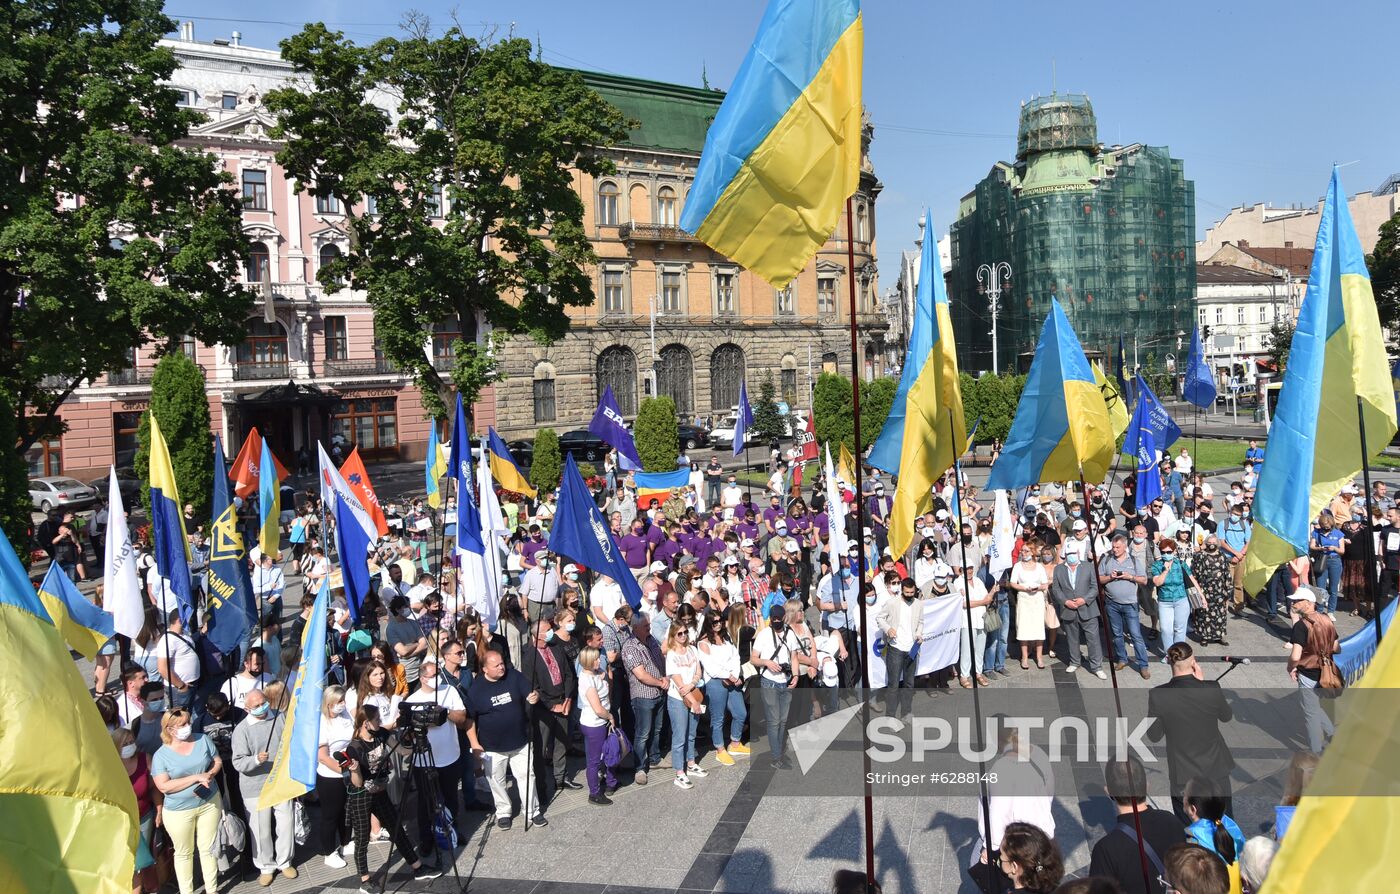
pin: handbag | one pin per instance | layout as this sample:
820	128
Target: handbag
615	747
991	620
1052	615
1197	597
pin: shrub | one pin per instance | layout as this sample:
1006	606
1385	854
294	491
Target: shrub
547	465
658	443
768	425
180	403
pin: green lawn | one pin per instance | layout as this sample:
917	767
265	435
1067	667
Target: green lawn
1213	453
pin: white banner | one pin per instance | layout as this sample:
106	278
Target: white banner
936	650
121	591
1003	538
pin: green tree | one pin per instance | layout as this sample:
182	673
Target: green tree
15	505
1384	266
151	249
876	400
179	402
658	441
546	465
993	399
835	412
768	424
1277	342
472	180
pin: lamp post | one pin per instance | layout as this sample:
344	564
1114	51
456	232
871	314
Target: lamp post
991	277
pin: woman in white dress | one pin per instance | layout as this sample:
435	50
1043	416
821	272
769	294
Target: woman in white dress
1030	581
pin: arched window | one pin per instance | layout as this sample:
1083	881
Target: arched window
675	377
607	204
726	373
328	255
617	366
263	352
788	386
257	263
862	224
544	393
666	206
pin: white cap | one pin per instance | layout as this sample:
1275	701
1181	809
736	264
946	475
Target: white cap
428	658
927	532
888	552
942	569
941	515
1305	593
731	560
672	576
879	486
1350	489
746	543
792	547
1080	526
571	569
869	533
657	566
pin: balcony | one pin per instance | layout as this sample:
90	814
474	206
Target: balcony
254	372
131	376
379	366
660	233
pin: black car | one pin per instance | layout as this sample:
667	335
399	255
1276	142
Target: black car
523	452
584	445
127	484
692	436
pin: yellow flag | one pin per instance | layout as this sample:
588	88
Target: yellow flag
846	471
1117	407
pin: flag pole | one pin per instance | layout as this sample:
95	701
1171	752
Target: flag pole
983	795
868	798
1370	544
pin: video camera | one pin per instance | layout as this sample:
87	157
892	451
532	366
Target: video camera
420	716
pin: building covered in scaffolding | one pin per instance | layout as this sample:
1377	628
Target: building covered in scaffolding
1110	231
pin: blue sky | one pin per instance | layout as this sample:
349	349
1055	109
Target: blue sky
1256	97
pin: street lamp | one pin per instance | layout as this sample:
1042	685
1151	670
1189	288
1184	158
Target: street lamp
991	277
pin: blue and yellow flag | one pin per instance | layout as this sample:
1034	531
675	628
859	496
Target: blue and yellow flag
503	467
172	546
293	771
1337	361
783	153
434	467
84	626
269	504
70	820
934	431
230	610
1061	430
1113	400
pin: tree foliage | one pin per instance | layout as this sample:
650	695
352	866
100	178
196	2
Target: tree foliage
1384	266
993	398
150	250
547	464
1277	342
477	133
834	410
768	425
180	404
15	505
658	441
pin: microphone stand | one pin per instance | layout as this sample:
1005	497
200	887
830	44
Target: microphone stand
1233	665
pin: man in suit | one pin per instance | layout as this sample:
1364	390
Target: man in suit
550	674
1074	588
1187	710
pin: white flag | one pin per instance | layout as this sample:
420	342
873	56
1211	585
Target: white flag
333	488
836	517
999	556
493	529
121	586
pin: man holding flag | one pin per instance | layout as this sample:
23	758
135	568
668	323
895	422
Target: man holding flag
611	428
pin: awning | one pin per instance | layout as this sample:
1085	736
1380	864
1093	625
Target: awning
288	395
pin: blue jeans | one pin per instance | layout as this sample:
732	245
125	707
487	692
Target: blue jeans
683	727
647	731
1172	618
777	701
995	657
1279	589
899	681
1318	723
719	697
1328	575
1124	619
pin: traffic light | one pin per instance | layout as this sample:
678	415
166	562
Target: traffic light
1205	333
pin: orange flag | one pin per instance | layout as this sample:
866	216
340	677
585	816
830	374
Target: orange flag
353	471
244	470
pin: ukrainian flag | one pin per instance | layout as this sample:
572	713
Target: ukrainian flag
293	772
84	626
503	467
1062	429
434	467
933	433
783	153
1113	399
1337	362
269	504
70	820
171	544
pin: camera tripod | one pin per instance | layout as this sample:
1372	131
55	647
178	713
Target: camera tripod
426	787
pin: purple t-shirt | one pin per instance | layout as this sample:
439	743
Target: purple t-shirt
823	524
772	515
655	536
800	525
879	506
634	550
704	547
744	529
666	552
530	547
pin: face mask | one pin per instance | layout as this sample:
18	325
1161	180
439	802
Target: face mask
1210	547
941	583
1167	554
128	752
569	628
845	574
260	711
1072	558
183	733
573	577
967	538
1139	539
870	600
156	706
549	636
909	597
1235	517
1047	560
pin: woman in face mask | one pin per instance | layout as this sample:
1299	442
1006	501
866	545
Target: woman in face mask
1212	569
924	564
186	770
148	799
1030	581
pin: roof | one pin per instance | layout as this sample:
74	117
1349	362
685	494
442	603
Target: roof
668	116
1297	261
1227	274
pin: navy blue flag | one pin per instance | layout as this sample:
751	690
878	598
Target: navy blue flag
1120	364
1199	385
744	421
459	467
581	534
1149	477
608	424
230	609
353	545
1148	411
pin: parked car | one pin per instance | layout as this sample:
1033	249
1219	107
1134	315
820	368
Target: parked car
523	452
127	484
584	445
693	436
60	492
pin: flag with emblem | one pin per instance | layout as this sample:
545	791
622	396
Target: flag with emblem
353	471
229	605
580	533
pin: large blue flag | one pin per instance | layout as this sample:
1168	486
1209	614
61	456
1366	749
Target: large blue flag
171	546
1148	411
1141	443
459	466
581	534
229	609
608	424
353	546
1199	385
743	420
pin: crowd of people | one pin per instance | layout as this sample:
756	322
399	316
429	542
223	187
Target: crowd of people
745	629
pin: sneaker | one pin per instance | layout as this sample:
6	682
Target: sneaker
696	770
289	872
570	784
266	879
539	820
383	835
1119	665
640	778
1073	668
1146	674
426	873
1100	674
366	889
503	822
739	748
724	758
349	849
683	781
600	799
1004	672
335	861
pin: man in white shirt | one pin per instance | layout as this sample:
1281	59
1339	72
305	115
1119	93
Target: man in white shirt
444	746
731	496
426	584
159	590
181	669
1078	542
268	582
250	678
1183	463
901	622
606	597
772	655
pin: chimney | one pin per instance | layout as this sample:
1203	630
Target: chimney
187	32
1242	243
237	37
1288	245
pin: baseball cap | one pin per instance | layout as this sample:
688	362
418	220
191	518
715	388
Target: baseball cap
868	533
1080	526
731	560
570	569
1305	593
942	569
428	658
746	543
941	515
792	547
1350	490
775	613
657	566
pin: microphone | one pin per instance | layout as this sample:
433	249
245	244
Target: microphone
1235	661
